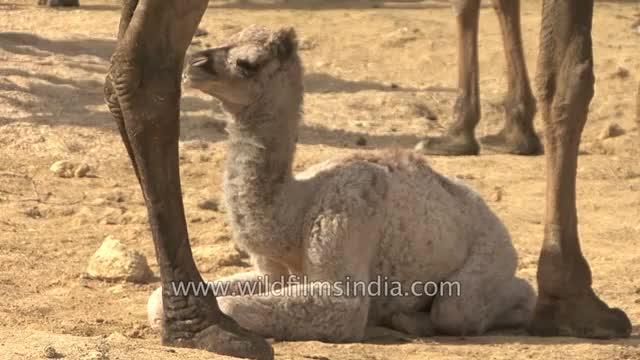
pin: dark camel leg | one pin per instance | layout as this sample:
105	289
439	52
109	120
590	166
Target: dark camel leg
142	90
518	136
567	305
460	139
638	107
55	3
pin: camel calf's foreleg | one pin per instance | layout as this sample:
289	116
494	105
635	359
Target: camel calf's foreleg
297	313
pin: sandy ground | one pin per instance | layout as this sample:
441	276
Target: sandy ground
384	71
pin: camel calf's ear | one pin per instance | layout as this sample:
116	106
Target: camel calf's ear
285	42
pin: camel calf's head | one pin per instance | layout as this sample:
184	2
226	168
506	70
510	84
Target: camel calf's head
256	65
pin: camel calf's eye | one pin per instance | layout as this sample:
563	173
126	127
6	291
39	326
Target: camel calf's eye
246	66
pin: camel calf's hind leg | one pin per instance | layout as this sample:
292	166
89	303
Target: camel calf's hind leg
490	296
509	306
567	305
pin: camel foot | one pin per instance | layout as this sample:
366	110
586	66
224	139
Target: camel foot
516	145
586	316
194	322
448	145
225	337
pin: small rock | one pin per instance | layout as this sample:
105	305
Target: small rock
465	176
98	202
117	196
610	131
69	169
620	73
117	289
63	168
137	332
51	353
114	337
95	355
361	141
185	159
82	170
33	212
209	204
114	262
420	147
401	37
635	27
200	32
307	44
497	194
222	238
421	109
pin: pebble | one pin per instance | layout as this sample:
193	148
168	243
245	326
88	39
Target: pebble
115	262
33	212
611	130
420	147
620	73
307	44
50	352
117	289
63	168
69	169
201	32
401	37
361	141
82	170
497	194
208	204
95	355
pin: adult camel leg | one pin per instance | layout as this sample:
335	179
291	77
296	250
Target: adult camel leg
638	107
460	139
518	136
55	3
567	305
142	90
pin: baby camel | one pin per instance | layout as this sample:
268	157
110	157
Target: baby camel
358	217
